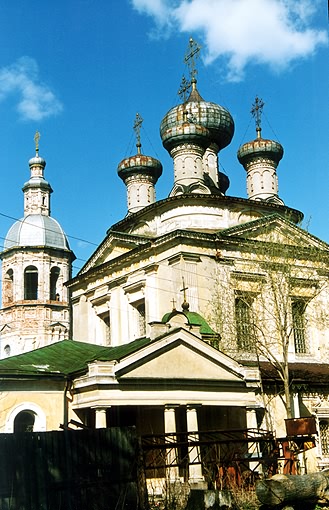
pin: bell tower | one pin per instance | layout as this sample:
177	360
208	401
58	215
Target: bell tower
36	261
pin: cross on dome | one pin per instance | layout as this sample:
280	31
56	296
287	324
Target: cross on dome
36	141
185	304
192	54
137	128
256	111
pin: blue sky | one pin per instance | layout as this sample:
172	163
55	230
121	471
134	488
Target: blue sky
80	70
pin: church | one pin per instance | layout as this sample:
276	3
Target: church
198	312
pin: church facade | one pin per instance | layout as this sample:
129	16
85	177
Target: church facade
197	312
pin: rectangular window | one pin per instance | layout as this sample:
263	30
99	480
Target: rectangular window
298	324
245	332
141	319
106	323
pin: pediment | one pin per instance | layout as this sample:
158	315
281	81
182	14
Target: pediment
115	245
180	356
275	229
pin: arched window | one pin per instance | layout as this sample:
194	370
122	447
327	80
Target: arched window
24	421
54	274
31	283
8	294
26	416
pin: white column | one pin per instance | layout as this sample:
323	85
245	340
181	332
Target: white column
100	418
171	454
296	405
195	470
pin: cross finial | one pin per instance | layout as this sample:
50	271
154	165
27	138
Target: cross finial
36	141
137	128
192	54
257	110
173	304
185	304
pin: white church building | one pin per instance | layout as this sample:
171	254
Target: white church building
192	313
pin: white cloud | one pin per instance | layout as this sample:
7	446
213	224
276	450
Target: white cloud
35	99
271	32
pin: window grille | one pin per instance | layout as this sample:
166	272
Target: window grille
243	322
298	324
324	436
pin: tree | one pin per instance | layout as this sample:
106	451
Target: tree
270	296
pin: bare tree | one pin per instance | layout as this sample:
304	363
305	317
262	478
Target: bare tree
270	299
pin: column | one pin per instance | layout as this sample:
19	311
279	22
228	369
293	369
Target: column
296	405
195	467
253	447
172	472
100	417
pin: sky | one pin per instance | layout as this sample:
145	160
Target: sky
78	71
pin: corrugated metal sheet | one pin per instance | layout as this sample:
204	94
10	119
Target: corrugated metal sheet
70	470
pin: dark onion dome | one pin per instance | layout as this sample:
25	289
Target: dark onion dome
260	147
36	230
139	164
223	182
197	120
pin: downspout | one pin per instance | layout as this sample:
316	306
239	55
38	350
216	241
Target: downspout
67	397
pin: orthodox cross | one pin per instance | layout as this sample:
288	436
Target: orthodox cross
173	304
137	128
36	141
256	111
192	54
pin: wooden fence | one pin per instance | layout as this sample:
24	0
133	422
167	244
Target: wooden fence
71	470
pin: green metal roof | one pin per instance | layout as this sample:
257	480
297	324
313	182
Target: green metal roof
194	319
65	358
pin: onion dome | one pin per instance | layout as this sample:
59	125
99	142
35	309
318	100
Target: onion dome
197	120
37	165
139	173
260	159
37	161
260	147
36	230
139	163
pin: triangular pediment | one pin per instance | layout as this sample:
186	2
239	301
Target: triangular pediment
274	229
180	355
115	245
